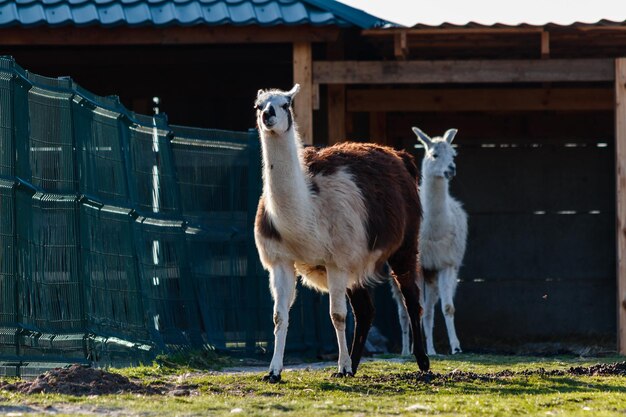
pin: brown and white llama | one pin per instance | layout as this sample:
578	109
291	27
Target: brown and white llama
442	239
337	217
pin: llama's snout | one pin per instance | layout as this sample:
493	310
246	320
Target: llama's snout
269	116
450	172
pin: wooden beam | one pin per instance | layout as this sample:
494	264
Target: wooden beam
450	31
620	180
437	72
400	46
336	113
192	35
545	45
474	99
416	32
303	105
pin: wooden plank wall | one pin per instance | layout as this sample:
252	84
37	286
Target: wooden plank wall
215	88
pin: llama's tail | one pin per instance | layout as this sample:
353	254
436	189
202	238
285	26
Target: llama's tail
411	167
380	273
409	163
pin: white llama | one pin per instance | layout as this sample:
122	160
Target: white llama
442	239
335	216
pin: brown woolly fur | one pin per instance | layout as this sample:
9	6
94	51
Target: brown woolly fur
264	222
380	173
430	275
409	163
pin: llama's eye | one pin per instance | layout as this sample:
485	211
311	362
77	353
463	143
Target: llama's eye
285	106
435	155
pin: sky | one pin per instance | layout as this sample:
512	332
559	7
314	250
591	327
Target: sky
538	12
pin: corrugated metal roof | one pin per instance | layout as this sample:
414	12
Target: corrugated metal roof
489	12
549	25
162	13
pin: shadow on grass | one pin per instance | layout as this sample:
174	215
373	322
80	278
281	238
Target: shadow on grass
506	385
547	385
504	360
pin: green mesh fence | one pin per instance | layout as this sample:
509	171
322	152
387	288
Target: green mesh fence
113	297
152	171
122	236
8	284
168	296
100	151
7	148
51	142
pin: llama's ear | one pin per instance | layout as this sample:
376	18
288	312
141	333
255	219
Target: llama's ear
423	137
449	135
258	93
292	93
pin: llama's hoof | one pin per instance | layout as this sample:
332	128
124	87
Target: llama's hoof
344	374
427	377
272	378
456	350
423	363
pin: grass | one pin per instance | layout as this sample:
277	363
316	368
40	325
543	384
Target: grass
381	388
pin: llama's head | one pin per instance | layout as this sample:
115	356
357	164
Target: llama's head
439	154
273	110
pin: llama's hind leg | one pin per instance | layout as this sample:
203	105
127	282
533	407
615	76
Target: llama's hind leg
283	287
431	296
447	288
404	268
403	317
363	310
337	284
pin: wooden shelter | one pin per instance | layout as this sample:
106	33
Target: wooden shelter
541	117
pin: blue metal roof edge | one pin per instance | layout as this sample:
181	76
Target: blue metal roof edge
355	16
162	13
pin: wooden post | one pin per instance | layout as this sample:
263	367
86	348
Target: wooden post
545	45
336	113
620	167
400	46
378	127
302	74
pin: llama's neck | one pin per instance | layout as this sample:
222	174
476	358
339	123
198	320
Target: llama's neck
285	183
434	197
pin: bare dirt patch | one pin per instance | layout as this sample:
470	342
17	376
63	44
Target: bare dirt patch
80	381
607	369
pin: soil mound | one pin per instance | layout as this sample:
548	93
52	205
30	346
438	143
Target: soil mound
79	380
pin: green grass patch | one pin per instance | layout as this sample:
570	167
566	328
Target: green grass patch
381	388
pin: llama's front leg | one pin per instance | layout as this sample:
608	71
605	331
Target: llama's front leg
337	283
431	295
283	287
447	288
